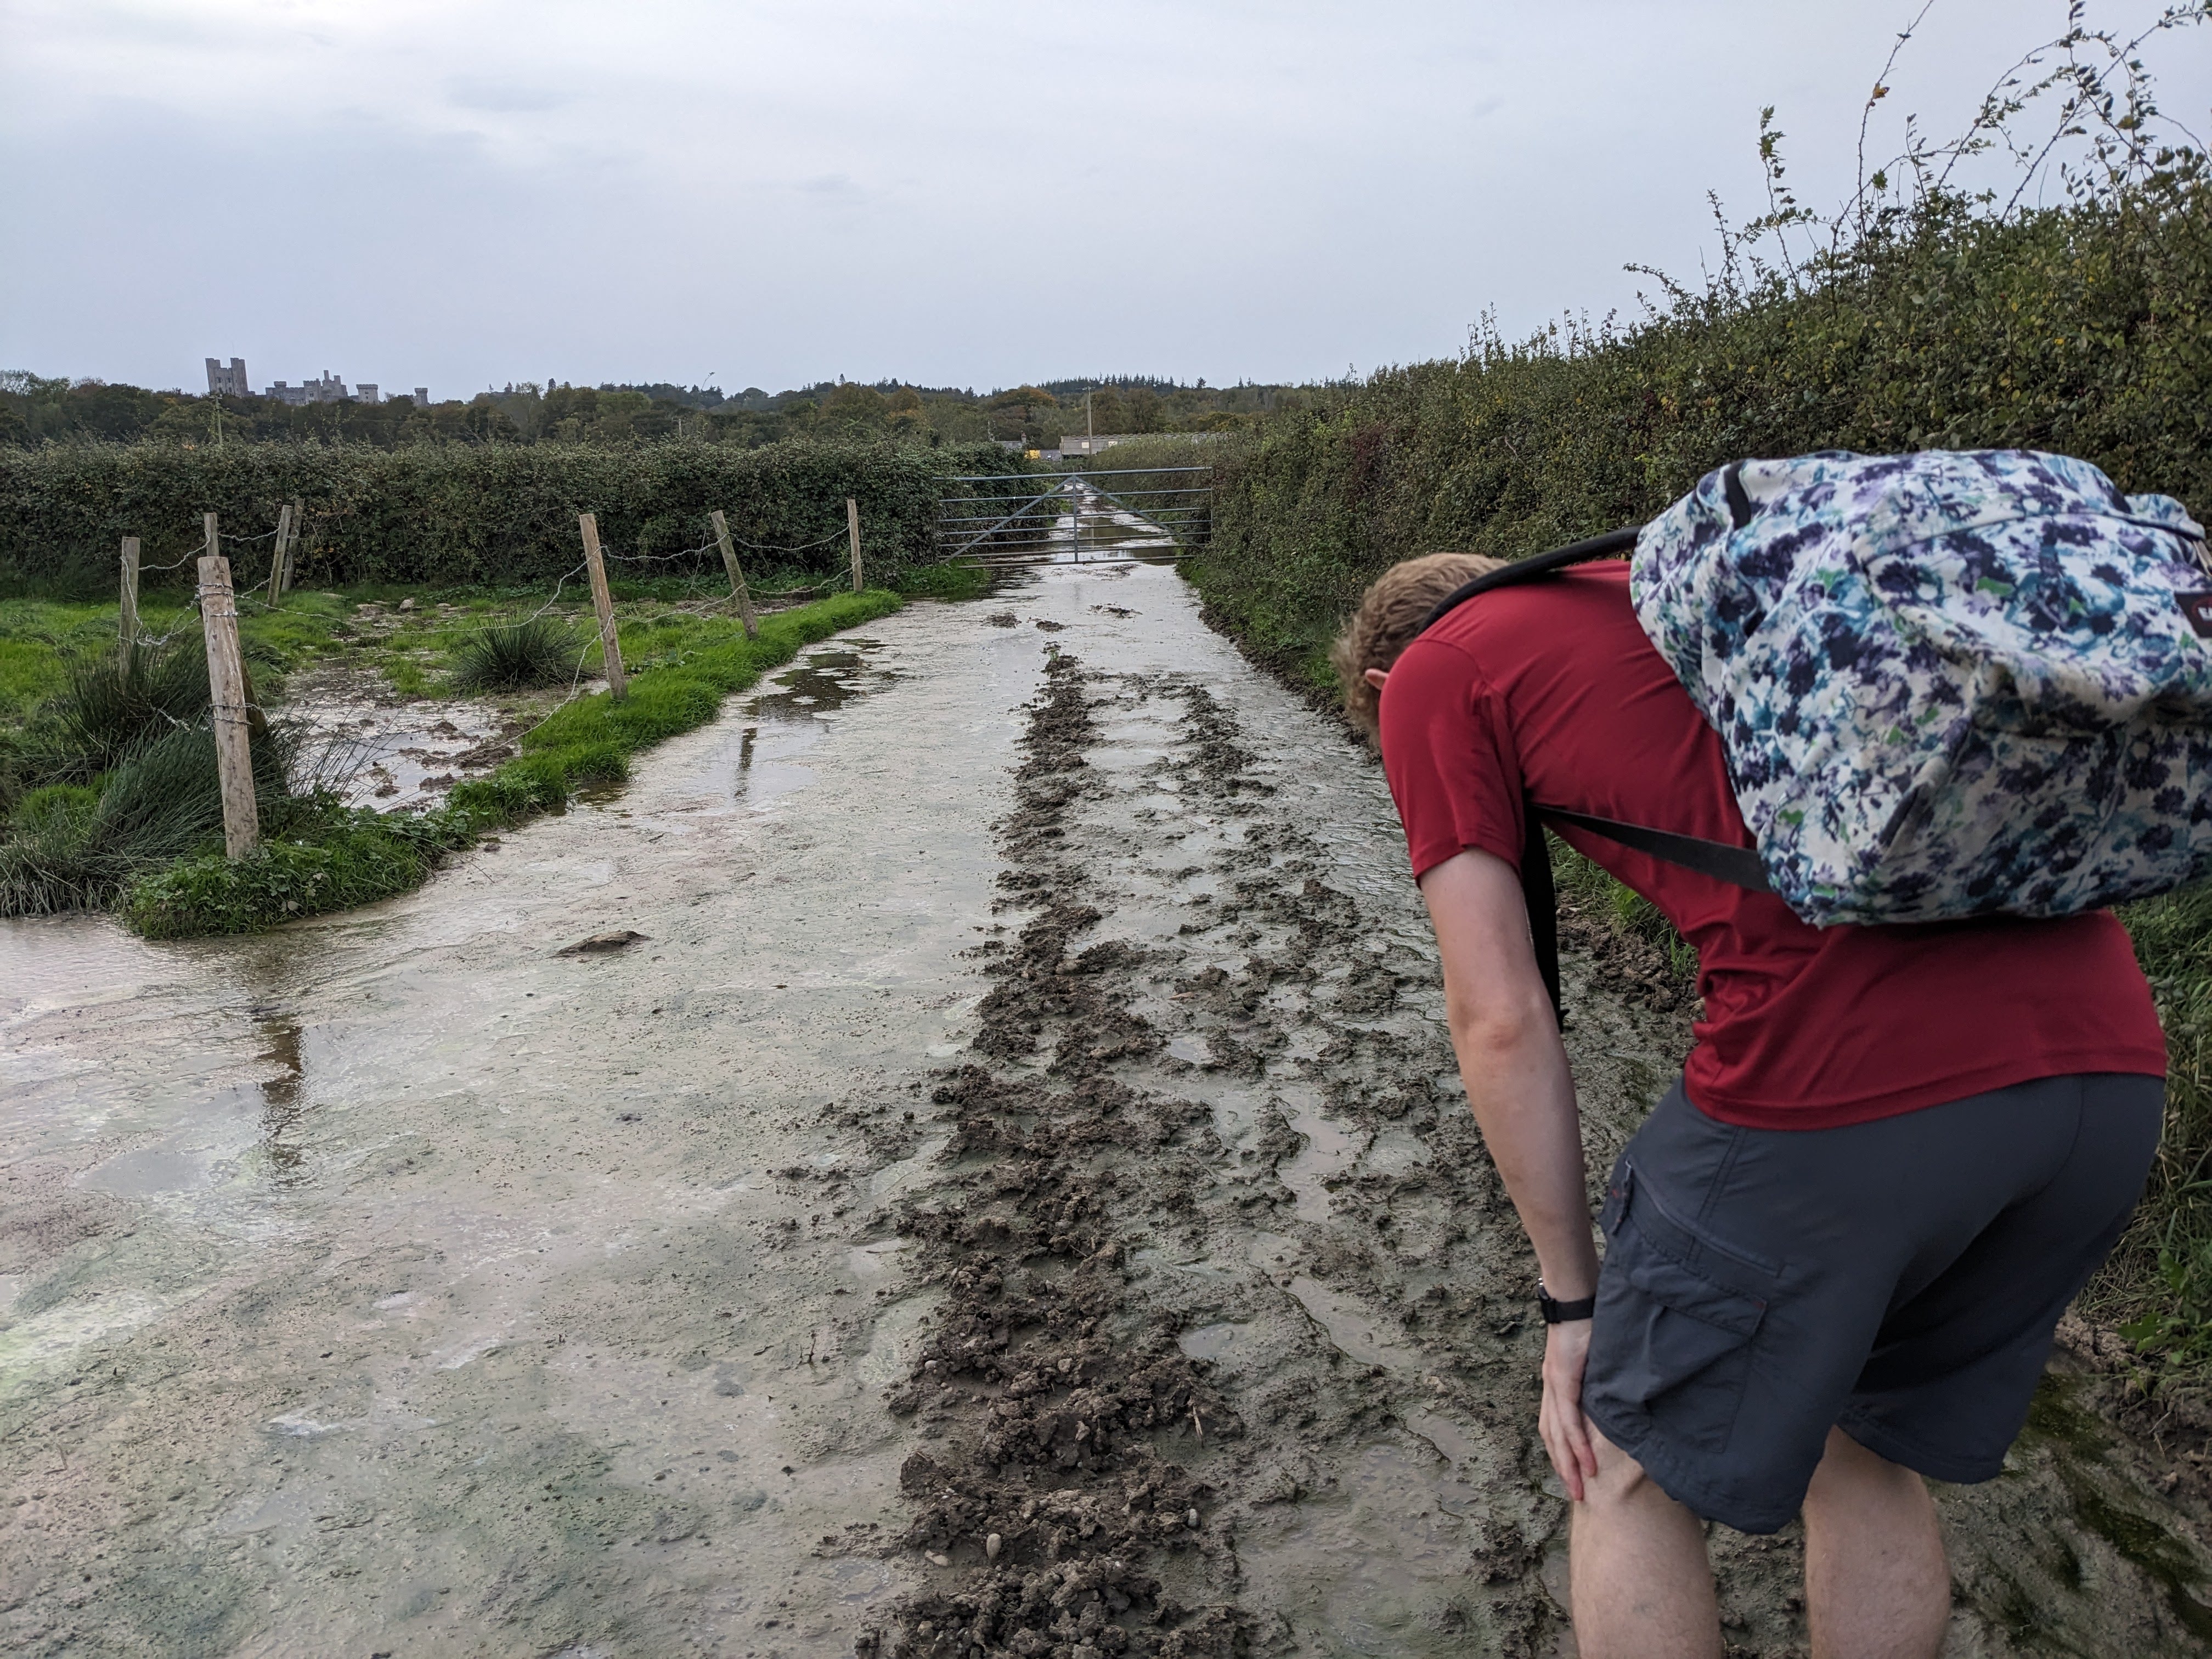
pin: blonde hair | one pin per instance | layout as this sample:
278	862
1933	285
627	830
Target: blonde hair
1390	613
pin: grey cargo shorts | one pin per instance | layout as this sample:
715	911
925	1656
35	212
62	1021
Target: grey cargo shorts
1899	1279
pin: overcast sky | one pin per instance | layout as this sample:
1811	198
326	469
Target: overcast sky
769	193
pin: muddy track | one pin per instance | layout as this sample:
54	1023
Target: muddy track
1235	1354
1013	1198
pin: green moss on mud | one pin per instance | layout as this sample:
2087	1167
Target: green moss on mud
2054	1418
2078	1444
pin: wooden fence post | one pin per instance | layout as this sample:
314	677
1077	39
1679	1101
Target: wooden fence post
603	603
292	548
852	534
127	629
227	711
277	583
738	589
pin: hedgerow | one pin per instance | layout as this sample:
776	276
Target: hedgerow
2081	329
457	514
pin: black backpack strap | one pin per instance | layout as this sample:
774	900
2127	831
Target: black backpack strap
1527	569
1739	498
1537	893
1739	866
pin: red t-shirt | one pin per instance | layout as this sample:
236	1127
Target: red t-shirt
1551	692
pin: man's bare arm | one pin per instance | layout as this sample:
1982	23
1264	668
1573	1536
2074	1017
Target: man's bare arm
1515	1070
1508	1042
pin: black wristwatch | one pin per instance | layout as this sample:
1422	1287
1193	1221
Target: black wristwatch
1557	1312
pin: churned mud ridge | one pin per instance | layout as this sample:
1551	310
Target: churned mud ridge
1626	966
1087	1476
1046	1476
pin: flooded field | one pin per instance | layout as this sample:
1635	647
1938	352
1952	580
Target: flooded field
1009	1194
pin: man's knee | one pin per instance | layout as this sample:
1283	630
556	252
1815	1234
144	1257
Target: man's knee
1620	1481
1850	1474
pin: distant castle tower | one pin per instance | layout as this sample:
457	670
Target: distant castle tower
227	382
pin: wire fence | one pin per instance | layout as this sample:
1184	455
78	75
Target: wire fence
247	601
251	602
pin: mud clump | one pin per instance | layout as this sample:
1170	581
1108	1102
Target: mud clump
602	944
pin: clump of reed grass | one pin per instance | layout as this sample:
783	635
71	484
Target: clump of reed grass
75	847
114	706
536	651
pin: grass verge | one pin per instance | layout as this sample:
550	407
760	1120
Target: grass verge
327	857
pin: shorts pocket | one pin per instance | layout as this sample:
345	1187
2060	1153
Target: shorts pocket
1672	1344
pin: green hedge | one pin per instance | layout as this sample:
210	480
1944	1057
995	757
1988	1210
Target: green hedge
457	514
2082	329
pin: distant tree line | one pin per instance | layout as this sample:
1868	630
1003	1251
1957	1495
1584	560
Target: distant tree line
36	410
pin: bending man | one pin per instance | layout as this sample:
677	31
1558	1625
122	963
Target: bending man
1838	1247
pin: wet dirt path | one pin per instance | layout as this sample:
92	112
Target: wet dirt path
1013	1199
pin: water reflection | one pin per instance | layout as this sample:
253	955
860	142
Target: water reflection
281	1107
787	719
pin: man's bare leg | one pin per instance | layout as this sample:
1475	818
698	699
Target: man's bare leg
1643	1587
1876	1583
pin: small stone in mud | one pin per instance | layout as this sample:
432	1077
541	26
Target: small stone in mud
991	1547
599	942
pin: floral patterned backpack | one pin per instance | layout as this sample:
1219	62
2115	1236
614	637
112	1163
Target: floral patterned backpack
1948	685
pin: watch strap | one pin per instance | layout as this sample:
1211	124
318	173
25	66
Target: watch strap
1557	1312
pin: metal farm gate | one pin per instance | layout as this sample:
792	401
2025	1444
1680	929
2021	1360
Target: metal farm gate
1152	515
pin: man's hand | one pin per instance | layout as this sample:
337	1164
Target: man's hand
1566	1431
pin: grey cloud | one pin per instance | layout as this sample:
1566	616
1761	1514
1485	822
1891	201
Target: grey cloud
504	97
